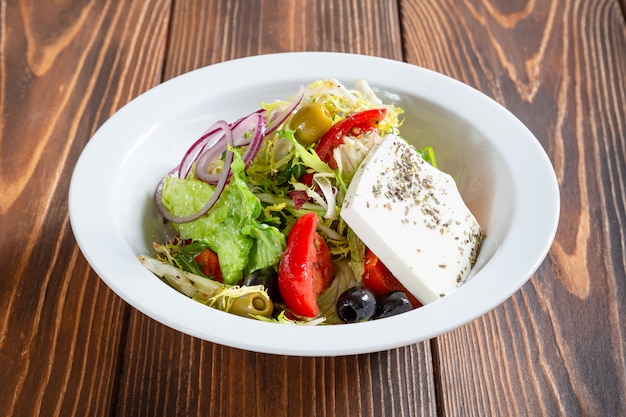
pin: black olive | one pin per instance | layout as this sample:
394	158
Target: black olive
268	277
392	303
356	304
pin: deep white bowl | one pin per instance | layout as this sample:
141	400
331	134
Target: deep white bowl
501	169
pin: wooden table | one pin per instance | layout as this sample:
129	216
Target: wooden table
70	346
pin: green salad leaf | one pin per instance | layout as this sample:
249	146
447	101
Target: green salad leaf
231	228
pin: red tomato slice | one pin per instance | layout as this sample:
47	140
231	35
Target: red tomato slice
210	264
354	125
306	267
379	280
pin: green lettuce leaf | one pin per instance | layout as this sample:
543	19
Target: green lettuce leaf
231	228
310	159
269	245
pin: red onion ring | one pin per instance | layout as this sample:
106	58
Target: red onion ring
219	187
199	146
257	140
240	131
213	143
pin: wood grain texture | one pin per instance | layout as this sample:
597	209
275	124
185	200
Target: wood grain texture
65	67
556	347
69	346
207	32
171	374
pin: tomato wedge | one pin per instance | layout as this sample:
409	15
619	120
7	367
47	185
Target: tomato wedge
354	125
209	264
379	280
306	267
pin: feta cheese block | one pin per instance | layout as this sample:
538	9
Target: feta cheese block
413	218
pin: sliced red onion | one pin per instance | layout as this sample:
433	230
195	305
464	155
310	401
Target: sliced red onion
205	160
213	143
256	141
240	131
208	139
253	121
219	187
209	147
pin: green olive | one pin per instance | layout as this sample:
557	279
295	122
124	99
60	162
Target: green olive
310	123
253	304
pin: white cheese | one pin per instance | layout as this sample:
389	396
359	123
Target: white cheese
413	218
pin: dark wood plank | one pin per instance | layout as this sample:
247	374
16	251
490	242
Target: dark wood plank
555	348
205	33
64	68
168	373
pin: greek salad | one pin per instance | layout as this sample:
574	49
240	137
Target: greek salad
257	204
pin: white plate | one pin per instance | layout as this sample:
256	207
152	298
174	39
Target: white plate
501	169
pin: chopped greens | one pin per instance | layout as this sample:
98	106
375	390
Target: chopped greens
244	217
